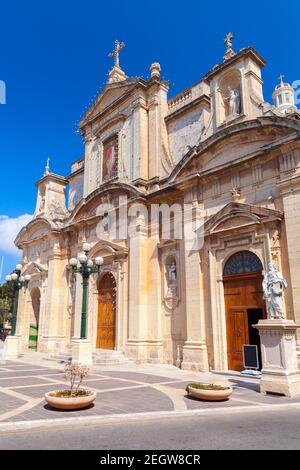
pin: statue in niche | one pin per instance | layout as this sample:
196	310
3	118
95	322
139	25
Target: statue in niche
56	210
234	101
273	286
103	226
171	275
42	204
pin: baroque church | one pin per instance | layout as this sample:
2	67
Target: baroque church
218	151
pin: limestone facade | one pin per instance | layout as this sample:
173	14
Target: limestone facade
236	179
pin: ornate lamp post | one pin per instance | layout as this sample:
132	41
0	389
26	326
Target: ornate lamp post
85	266
17	281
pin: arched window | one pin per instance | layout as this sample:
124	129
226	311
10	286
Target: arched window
242	262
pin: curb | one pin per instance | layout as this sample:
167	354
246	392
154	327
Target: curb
65	423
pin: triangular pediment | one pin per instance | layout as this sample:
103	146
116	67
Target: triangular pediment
110	94
236	215
34	268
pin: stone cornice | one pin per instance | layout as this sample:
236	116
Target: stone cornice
290	184
259	123
53	177
246	52
201	99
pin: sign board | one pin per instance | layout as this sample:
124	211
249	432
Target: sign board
250	356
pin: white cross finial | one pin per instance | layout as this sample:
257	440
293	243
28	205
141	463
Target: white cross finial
229	50
47	169
116	52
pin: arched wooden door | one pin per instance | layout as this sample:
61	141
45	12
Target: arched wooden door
34	318
244	304
106	329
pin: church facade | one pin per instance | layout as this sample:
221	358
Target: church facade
187	200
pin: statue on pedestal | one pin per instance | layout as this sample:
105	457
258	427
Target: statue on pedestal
172	277
273	286
234	101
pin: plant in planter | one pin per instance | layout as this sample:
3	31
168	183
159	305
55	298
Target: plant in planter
75	398
209	392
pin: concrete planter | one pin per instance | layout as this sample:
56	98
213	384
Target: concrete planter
210	395
74	403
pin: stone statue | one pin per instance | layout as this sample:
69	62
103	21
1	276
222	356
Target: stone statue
273	286
234	101
172	277
42	204
56	210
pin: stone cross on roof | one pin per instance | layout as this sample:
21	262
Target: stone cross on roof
116	52
229	51
227	40
47	169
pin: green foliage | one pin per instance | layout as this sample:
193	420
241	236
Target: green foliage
6	302
6	296
206	387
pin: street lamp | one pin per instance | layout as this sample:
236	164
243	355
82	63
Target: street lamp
85	266
17	281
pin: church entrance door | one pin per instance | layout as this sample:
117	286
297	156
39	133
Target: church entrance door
106	329
244	304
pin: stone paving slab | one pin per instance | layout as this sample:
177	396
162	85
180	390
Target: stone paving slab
132	390
61	376
28	373
120	402
39	391
8	403
22	381
140	377
21	367
102	384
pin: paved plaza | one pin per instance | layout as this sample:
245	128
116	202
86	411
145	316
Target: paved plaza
138	390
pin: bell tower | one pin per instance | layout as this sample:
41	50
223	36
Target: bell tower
51	197
236	86
283	96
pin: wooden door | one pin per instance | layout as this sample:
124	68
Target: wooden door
242	293
237	335
106	330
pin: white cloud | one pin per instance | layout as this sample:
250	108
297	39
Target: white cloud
9	229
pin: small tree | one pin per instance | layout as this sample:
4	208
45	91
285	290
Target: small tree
76	373
4	311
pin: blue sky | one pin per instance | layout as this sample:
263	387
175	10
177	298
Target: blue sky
54	58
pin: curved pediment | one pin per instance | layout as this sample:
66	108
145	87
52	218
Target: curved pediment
233	144
107	194
107	248
235	216
35	230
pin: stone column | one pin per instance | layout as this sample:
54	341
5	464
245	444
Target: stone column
280	373
136	344
54	336
155	354
82	349
290	190
140	139
158	138
195	349
23	318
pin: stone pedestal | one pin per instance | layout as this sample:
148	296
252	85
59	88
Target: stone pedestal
280	372
195	356
82	351
11	347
